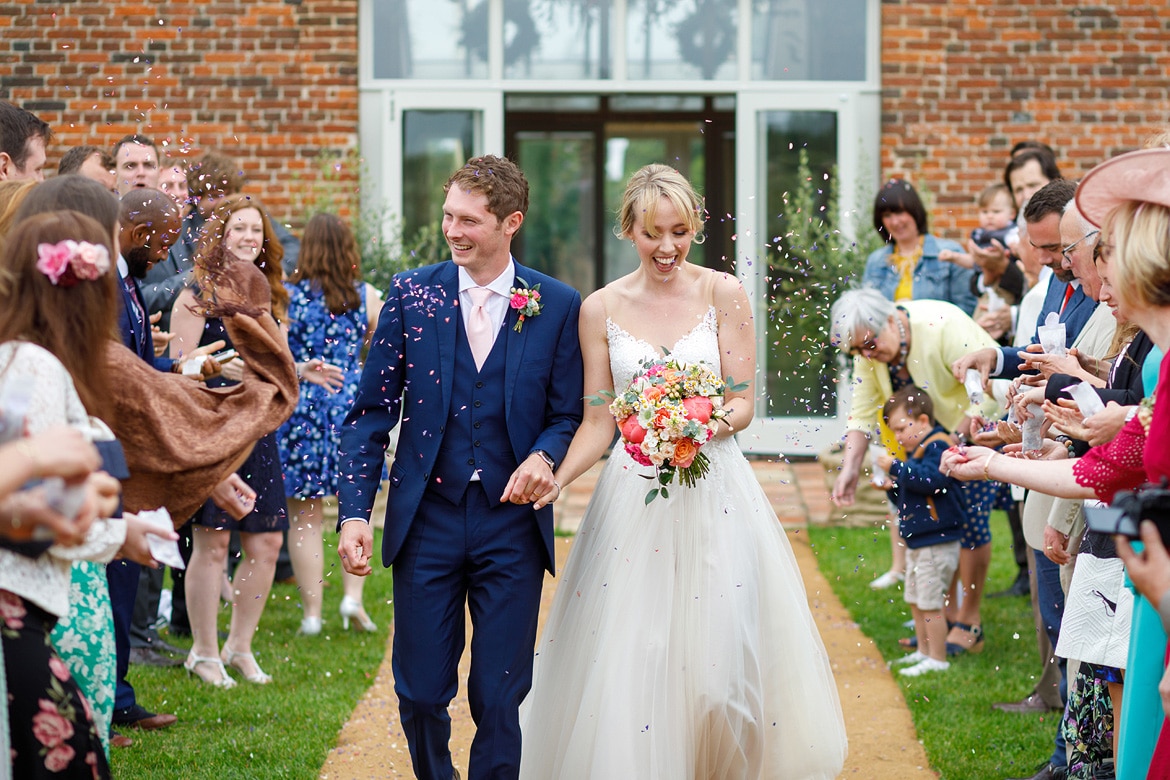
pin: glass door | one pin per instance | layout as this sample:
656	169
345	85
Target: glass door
796	255
578	158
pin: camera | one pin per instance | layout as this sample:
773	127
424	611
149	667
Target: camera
1129	508
983	238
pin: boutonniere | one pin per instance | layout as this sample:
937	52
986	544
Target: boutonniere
526	301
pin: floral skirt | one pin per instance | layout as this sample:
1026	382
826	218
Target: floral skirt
50	721
84	639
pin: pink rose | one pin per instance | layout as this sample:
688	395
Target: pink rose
90	261
12	610
639	457
685	451
632	431
49	727
53	259
698	408
58	668
58	758
519	300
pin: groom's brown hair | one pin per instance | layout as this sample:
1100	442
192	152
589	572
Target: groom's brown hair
498	178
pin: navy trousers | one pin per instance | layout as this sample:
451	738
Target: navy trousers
123	580
491	559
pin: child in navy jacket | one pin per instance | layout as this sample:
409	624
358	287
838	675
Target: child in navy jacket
931	513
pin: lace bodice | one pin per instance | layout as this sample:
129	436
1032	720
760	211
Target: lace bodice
627	352
700	343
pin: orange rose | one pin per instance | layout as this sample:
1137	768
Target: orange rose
631	430
653	393
661	418
685	451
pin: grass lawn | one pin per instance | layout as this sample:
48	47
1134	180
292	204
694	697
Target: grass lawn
285	730
282	730
965	738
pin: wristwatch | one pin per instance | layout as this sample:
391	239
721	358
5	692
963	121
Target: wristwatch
552	464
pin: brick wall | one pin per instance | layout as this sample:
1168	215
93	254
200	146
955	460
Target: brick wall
272	84
275	83
964	80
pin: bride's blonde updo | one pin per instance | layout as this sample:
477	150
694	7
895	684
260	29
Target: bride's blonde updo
646	188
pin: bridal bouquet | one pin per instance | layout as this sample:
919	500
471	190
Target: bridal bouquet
668	412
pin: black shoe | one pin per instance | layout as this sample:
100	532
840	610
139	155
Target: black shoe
1020	587
183	632
146	656
1030	703
163	646
1047	772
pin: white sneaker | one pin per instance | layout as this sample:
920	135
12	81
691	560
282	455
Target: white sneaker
916	657
889	579
925	666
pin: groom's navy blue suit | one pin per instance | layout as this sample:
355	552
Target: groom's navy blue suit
449	539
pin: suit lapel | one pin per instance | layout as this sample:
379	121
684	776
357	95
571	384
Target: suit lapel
515	344
448	331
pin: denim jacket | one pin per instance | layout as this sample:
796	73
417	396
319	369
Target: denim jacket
933	278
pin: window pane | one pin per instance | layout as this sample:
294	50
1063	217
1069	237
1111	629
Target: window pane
673	40
809	40
559	232
803	258
430	39
434	144
556	40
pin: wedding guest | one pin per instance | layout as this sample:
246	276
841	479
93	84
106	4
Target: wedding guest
239	232
330	318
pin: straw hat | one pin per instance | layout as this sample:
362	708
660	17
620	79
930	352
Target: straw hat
1142	176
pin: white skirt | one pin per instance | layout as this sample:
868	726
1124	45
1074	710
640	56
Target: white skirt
680	643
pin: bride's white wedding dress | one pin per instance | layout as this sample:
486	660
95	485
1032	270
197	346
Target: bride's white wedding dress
680	643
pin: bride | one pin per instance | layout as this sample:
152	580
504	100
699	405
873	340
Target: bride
680	643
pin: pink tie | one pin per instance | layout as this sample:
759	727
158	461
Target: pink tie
479	325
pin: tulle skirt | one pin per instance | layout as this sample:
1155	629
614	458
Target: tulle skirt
680	642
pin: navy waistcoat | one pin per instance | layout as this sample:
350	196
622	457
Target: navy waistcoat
475	437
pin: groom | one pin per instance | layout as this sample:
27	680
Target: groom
489	394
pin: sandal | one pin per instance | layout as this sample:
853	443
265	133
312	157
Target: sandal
259	677
976	645
911	642
224	680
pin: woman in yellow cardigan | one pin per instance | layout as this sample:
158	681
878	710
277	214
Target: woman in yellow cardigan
916	342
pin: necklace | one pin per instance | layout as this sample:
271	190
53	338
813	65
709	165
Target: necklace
899	375
903	350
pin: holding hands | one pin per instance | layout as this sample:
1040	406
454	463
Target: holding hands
532	483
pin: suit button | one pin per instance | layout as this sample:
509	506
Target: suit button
478	404
479	384
477	424
471	461
441	428
427	477
476	443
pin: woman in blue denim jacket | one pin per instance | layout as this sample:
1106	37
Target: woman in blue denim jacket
907	267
